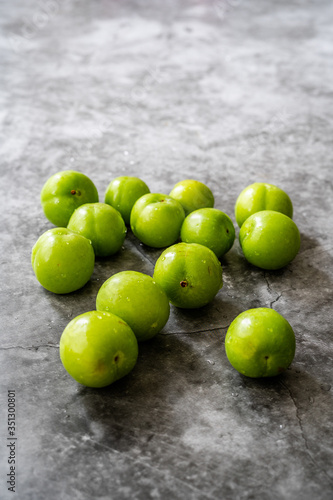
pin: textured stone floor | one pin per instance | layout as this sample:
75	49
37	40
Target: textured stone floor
226	92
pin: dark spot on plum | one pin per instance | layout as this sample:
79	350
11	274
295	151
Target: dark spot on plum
116	359
266	357
227	231
183	284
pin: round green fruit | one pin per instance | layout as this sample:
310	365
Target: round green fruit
63	261
189	273
102	224
63	193
269	239
209	227
261	196
156	220
260	343
122	193
192	195
138	300
98	348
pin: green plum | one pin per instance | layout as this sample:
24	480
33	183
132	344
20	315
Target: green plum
261	196
269	239
122	193
138	300
192	195
189	273
63	261
209	227
156	219
98	348
260	343
102	224
63	193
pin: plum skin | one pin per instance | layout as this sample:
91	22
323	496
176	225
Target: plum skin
156	219
97	348
190	274
192	194
102	224
261	196
260	343
137	299
269	240
63	192
63	261
209	227
123	192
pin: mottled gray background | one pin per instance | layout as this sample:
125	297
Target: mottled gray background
225	91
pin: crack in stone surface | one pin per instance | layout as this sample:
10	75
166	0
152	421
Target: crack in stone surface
275	300
6	348
271	292
303	435
198	331
267	283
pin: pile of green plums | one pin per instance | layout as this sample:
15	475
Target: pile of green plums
268	236
101	346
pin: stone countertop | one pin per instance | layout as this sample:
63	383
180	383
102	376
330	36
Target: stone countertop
226	92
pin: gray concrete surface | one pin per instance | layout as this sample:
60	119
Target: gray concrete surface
227	92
